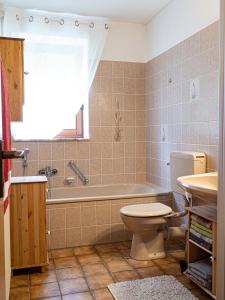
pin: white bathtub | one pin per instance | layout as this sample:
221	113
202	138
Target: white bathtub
90	215
105	192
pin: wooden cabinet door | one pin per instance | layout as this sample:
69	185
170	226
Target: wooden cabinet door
28	225
11	51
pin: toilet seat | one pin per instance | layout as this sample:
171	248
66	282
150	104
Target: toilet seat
146	210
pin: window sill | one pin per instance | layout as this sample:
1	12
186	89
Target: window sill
51	140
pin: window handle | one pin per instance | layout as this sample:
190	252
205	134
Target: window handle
26	73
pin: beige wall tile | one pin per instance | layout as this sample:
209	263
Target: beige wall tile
45	151
88	215
103	234
106	68
107	166
70	150
89	235
130	70
117	233
118	69
58	152
95	166
83	150
58	239
57	218
34	150
115	213
73	237
103	214
73	217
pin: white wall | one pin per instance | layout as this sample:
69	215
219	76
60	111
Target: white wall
126	42
177	21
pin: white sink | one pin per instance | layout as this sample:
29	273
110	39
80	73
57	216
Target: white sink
202	185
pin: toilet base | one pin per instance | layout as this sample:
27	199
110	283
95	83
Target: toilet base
148	245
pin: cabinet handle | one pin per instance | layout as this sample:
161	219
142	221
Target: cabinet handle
26	73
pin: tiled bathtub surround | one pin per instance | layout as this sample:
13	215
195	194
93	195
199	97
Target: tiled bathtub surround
103	160
186	125
91	222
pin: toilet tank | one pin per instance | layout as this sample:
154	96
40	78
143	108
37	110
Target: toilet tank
185	163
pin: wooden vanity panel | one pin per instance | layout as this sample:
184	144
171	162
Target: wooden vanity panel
28	225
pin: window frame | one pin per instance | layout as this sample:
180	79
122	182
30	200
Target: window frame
77	133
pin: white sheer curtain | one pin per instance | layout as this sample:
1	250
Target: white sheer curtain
62	53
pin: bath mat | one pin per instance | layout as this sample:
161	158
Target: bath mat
154	288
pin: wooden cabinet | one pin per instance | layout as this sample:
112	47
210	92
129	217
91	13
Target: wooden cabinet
11	50
28	223
198	252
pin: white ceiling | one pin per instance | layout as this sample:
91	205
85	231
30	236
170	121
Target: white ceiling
138	11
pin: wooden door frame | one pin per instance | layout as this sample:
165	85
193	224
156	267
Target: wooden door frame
221	169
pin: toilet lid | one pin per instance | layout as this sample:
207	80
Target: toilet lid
146	210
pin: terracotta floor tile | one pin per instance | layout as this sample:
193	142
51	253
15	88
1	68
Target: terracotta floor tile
19	280
107	257
174	245
45	290
105	248
52	298
69	266
165	261
40	278
71	286
118	265
19	293
95	269
102	294
171	269
99	281
50	266
180	255
149	272
65	262
126	276
140	263
79	296
89	259
84	250
125	253
62	252
124	246
200	294
186	282
69	273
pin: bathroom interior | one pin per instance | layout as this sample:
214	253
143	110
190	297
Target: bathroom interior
112	136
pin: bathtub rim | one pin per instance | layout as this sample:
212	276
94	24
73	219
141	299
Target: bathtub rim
161	192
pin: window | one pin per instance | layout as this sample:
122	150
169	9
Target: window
54	87
62	52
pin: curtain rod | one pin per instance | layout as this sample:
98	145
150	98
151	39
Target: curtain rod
61	21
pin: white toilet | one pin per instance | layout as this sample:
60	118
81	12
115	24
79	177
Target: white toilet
148	222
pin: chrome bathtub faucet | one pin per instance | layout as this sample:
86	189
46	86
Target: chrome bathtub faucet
48	172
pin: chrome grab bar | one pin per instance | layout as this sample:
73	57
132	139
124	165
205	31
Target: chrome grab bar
78	172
